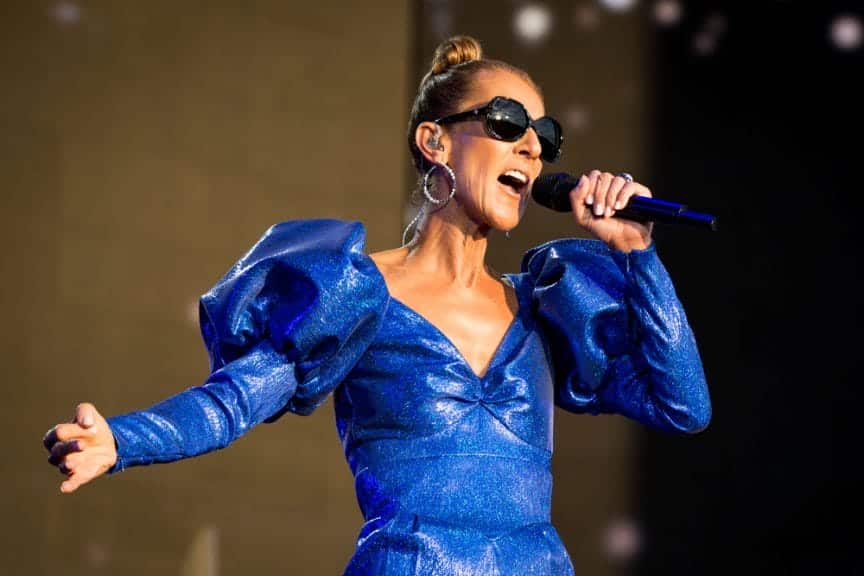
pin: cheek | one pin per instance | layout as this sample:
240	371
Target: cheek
475	184
477	162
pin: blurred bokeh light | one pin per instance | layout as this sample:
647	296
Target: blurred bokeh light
618	5
846	32
66	12
532	23
667	12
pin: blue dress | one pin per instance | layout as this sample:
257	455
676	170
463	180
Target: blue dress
451	469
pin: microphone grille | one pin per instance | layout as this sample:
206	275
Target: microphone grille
552	191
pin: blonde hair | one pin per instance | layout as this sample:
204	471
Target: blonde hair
455	64
455	51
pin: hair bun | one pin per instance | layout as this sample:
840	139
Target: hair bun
454	51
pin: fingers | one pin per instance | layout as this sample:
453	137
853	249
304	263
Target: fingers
82	449
611	193
72	463
82	467
69	464
74	478
597	197
67	432
624	190
83	425
50	438
69	485
607	193
61	449
601	192
74	482
602	189
85	415
580	200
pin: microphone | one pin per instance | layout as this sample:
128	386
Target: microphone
553	192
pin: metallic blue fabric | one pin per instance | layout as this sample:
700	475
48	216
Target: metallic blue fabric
452	470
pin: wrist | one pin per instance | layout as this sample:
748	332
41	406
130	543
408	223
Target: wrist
630	245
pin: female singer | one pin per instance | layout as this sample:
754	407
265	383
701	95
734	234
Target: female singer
444	373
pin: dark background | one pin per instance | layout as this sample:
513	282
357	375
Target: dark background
762	127
766	133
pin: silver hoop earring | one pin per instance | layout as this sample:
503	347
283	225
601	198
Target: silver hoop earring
450	174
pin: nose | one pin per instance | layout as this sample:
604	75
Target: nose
529	144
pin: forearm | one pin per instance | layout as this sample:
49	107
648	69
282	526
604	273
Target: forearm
661	381
209	417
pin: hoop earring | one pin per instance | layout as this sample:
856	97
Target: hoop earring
413	224
450	174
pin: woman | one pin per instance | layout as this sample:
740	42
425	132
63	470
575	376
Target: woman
444	374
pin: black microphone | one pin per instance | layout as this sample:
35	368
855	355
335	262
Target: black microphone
553	192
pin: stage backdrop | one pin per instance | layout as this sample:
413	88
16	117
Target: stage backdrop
145	147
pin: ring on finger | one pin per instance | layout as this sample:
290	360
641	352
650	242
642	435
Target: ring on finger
626	176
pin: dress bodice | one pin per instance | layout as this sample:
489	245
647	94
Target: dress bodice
424	433
452	469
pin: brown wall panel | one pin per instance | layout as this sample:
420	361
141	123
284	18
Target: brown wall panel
146	146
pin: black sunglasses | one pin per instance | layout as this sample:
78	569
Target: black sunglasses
507	120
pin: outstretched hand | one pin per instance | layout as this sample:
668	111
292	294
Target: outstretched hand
83	449
595	200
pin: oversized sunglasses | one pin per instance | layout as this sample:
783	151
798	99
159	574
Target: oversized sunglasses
507	120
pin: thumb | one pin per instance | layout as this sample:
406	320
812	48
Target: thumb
85	415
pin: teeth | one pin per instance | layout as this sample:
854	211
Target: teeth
516	175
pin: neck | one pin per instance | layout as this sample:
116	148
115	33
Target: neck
451	246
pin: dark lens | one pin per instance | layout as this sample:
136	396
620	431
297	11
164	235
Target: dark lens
549	134
506	119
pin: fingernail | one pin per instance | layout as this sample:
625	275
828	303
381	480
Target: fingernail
88	420
608	211
589	199
619	205
598	209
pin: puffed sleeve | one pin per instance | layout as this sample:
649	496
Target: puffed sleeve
617	334
283	327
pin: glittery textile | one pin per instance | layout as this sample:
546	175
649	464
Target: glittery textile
452	470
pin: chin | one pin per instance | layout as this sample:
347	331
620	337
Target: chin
504	221
501	214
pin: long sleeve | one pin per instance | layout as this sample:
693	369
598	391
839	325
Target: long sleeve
283	328
618	335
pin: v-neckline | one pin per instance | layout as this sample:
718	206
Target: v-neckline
459	354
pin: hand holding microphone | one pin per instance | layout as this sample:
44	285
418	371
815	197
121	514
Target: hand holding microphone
603	196
595	197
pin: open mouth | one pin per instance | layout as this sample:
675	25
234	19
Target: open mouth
515	180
